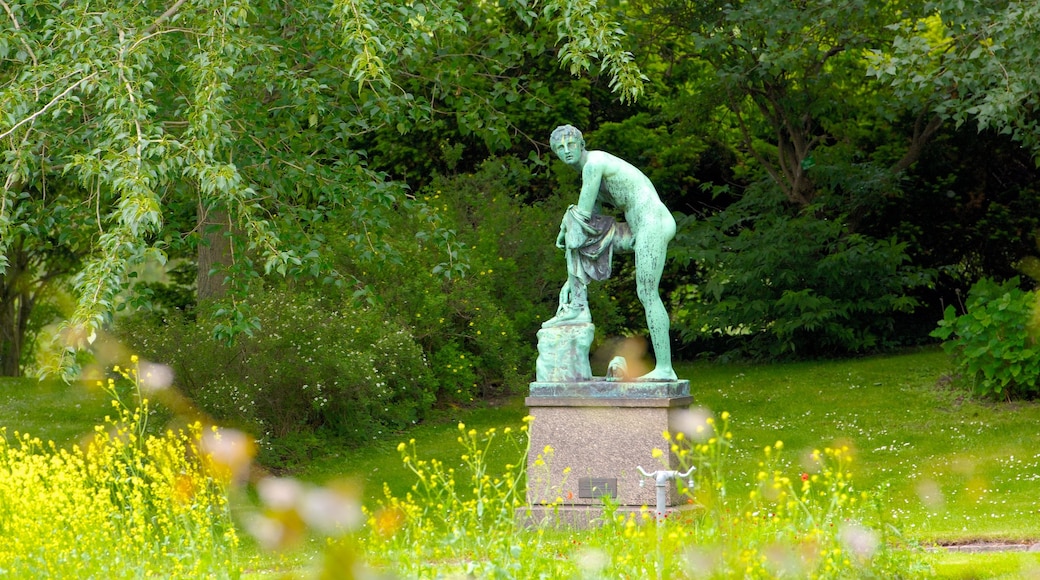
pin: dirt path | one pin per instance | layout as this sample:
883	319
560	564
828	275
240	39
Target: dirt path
976	547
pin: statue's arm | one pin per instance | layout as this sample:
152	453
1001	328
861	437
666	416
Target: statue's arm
591	180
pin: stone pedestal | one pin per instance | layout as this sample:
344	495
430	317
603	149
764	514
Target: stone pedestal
563	353
599	432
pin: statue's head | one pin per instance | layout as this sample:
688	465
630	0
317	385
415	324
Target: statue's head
568	144
565	131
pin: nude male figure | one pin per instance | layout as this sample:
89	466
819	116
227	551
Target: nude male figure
589	238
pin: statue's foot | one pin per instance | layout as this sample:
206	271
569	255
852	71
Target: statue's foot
659	374
617	370
569	315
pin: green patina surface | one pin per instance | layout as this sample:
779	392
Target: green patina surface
602	388
589	239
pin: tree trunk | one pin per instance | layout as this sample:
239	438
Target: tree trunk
14	320
922	134
215	253
10	340
17	298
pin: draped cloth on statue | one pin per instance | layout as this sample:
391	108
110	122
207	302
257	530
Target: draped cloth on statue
590	242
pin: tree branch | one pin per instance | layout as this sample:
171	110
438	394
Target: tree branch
164	16
917	141
18	28
68	90
816	68
770	169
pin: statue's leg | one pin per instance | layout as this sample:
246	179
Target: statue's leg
574	305
651	249
579	294
565	296
574	298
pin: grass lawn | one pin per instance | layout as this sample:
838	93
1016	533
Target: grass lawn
52	411
956	470
380	461
1002	565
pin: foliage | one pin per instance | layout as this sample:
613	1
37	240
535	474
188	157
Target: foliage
971	64
994	343
777	284
973	61
156	115
778	98
793	79
967	208
674	160
533	59
124	504
42	251
132	124
474	275
443	310
317	365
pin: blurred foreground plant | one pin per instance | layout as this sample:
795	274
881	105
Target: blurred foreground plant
122	504
810	524
465	518
131	504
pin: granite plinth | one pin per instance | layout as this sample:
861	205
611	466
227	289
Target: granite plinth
577	437
601	388
592	516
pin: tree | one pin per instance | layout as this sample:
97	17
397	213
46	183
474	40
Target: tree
42	251
793	77
788	262
978	59
974	64
254	111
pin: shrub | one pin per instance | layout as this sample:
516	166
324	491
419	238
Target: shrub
443	306
472	271
994	344
316	364
780	285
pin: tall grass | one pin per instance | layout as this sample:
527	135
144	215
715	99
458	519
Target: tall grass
467	521
121	504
